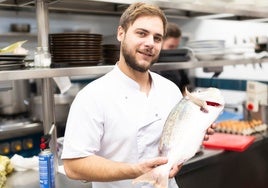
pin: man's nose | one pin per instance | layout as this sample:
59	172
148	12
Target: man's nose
149	40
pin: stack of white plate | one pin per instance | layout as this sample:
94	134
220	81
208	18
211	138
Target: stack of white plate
207	49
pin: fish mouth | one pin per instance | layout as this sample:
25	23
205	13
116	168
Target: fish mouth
211	103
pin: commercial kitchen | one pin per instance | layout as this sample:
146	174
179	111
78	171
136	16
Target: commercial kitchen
32	98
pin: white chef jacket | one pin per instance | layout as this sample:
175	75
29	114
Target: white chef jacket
112	118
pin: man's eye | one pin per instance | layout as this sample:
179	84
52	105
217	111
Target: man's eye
157	39
142	34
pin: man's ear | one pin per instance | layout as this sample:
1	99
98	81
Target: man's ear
120	33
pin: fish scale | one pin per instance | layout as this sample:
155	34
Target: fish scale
169	125
171	131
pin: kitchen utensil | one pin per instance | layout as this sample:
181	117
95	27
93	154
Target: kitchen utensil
12	101
110	53
75	49
62	106
174	55
261	114
24	28
10	62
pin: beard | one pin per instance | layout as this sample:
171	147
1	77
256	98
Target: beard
132	62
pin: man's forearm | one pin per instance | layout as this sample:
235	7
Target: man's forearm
95	168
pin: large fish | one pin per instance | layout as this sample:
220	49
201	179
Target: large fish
184	131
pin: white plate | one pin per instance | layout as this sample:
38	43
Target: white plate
209	56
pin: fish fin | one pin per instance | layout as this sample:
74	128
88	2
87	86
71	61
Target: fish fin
203	104
154	177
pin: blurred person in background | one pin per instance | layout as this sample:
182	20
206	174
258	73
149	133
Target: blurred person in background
172	38
172	41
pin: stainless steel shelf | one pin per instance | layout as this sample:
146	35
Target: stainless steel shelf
205	7
18	34
198	64
36	73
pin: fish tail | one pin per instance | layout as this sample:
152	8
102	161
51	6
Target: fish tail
156	177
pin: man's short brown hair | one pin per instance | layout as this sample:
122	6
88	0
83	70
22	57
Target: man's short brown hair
137	10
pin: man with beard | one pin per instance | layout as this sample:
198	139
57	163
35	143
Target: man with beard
115	122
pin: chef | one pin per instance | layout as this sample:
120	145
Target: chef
115	122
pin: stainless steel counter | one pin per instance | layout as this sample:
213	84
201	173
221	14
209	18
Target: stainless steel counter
230	169
30	178
207	157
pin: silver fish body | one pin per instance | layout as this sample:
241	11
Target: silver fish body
184	131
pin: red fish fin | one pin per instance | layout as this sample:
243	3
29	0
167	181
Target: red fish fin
159	180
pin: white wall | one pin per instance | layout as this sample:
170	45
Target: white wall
228	30
58	23
61	22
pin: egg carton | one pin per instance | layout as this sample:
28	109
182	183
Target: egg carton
241	127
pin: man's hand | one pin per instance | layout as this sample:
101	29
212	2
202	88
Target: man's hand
174	170
150	164
210	131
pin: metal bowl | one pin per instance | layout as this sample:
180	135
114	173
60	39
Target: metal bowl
62	106
24	28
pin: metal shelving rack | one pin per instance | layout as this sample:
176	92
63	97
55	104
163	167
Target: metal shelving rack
39	73
115	6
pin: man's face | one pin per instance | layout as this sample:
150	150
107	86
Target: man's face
171	43
142	42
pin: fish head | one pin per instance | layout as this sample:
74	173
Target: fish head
207	97
211	95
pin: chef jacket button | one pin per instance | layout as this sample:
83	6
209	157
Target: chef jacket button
156	115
